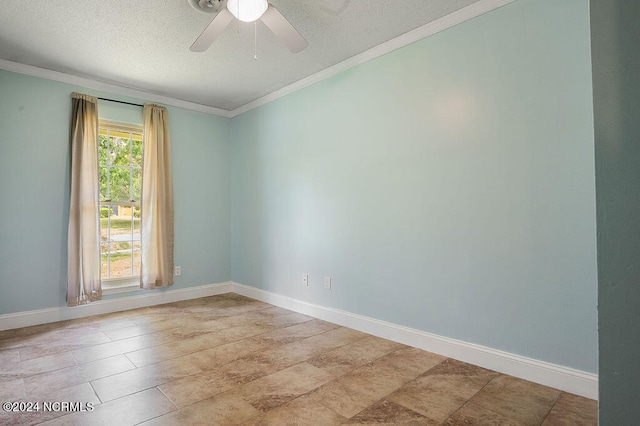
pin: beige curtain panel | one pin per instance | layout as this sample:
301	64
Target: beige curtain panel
83	285
156	216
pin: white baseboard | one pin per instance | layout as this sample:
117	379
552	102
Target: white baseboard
556	376
566	379
43	316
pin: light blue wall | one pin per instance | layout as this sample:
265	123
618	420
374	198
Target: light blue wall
447	186
34	190
615	37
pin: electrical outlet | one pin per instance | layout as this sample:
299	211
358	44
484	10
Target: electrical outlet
327	283
305	279
178	270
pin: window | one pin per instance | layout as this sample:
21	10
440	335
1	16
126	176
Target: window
120	169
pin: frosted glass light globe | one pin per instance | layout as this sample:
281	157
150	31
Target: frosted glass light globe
247	10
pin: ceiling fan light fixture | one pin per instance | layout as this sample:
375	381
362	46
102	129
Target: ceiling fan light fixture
247	10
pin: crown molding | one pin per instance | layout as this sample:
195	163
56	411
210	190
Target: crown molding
109	87
476	9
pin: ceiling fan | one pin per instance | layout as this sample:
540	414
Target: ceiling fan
248	11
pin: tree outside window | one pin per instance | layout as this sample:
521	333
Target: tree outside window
120	171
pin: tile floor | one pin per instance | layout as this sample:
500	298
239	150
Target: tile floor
227	360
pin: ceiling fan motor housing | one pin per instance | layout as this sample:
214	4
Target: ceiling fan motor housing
207	6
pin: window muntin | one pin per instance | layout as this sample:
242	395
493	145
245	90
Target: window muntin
120	169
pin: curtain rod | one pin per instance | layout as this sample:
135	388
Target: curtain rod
120	102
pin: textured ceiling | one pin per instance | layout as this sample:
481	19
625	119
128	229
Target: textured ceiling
145	44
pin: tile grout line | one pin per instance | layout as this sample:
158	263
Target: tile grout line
168	399
88	381
480	390
95	393
395	390
551	408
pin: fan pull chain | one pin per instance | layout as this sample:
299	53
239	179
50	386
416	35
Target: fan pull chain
255	41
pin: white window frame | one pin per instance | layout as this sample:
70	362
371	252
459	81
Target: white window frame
131	283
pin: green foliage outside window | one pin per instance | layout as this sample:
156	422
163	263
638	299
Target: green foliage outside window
120	168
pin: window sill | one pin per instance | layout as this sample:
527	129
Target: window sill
126	286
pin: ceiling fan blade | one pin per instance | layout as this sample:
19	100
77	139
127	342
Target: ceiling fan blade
215	28
279	25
